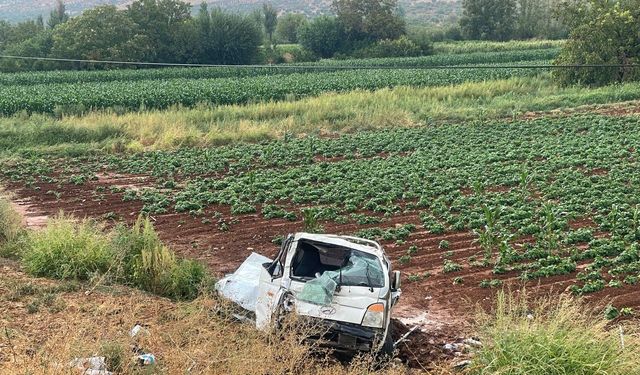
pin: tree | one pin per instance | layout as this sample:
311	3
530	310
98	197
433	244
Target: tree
158	21
101	33
39	45
58	15
370	19
602	32
535	19
289	26
270	20
488	19
232	39
322	36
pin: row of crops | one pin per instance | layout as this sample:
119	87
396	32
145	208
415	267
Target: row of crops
570	184
46	98
36	78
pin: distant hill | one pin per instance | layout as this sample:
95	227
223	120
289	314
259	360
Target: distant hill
435	11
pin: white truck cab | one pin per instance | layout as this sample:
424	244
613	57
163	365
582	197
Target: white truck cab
344	283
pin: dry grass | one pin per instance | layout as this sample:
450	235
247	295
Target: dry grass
185	337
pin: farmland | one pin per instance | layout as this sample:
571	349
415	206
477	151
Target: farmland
472	179
130	90
552	201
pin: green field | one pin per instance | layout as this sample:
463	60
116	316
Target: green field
473	180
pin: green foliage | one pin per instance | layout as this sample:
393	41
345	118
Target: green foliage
68	249
58	15
289	26
488	19
111	35
148	264
270	20
65	249
557	335
603	32
231	39
451	266
402	47
322	36
369	20
311	220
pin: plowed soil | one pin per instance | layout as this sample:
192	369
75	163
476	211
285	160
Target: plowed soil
443	308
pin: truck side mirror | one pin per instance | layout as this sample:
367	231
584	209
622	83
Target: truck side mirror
395	284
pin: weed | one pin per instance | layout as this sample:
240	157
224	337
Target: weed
558	335
66	249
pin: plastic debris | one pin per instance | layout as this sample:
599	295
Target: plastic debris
90	366
146	359
137	329
473	343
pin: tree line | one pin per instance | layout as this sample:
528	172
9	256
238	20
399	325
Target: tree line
166	31
502	20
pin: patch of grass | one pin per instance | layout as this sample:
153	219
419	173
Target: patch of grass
82	250
357	110
552	335
68	249
114	354
145	262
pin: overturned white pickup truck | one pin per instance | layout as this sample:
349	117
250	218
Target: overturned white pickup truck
343	283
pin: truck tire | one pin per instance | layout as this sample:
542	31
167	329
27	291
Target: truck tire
387	347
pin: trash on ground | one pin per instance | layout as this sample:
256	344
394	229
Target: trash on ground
138	328
462	365
146	359
404	337
90	366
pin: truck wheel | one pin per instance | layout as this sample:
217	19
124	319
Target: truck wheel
387	347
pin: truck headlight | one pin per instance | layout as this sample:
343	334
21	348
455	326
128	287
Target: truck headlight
374	317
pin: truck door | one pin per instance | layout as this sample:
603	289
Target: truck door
271	288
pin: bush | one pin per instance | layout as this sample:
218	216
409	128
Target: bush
148	264
402	47
603	32
66	249
290	53
70	249
553	335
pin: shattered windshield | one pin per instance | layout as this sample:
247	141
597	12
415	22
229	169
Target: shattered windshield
362	269
346	267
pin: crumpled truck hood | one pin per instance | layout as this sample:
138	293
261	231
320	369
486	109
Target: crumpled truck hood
241	286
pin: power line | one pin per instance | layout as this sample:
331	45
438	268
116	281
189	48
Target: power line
320	67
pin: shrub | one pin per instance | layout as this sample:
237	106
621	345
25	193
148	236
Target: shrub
553	335
402	47
148	264
66	249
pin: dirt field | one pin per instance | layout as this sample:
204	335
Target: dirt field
449	308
